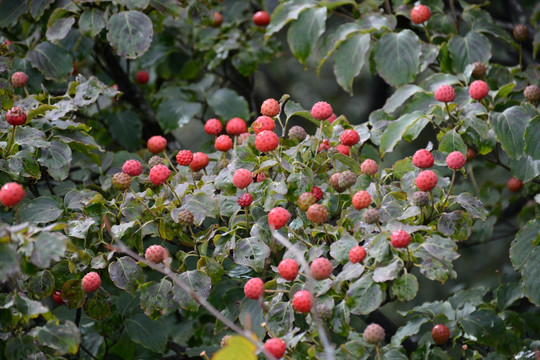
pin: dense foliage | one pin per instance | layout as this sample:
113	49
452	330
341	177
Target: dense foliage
122	243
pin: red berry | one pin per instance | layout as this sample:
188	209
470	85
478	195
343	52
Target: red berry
278	217
343	149
213	127
400	239
305	200
91	282
445	93
369	167
440	334
266	141
121	181
217	19
423	159
321	110
302	301
420	14
142	77
332	118
317	213
263	123
288	269
159	174
11	194
236	126
19	79
57	298
132	168
426	180
245	200
199	162
324	145
321	268
478	89
361	200
514	184
276	347
270	107
349	137
334	183
223	143
254	288
455	160
242	178
317	192
184	157
357	254
156	144
261	18
155	253
471	154
261	177
16	116
374	334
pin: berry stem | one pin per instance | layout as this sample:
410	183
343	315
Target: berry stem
520	57
378	352
327	233
299	238
426	31
193	178
142	202
319	138
28	95
169	162
274	153
449	189
11	141
247	220
470	171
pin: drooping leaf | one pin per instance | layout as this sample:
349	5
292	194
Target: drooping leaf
62	336
397	57
304	33
157	298
287	12
43	209
126	274
510	126
130	33
397	128
364	296
200	285
251	252
349	60
469	49
91	22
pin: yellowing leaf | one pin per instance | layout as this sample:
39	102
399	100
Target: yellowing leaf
237	347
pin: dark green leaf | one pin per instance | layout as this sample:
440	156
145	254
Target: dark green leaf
349	60
10	10
57	159
469	49
91	22
62	336
485	326
199	284
9	262
399	97
452	142
397	128
150	334
457	225
304	33
97	307
405	287
532	145
41	285
510	127
130	33
43	209
287	12
126	127
397	57
29	307
54	62
59	28
280	318
474	206
157	298
73	294
388	272
364	296
251	252
126	274
228	104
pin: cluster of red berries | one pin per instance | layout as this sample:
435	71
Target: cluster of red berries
478	90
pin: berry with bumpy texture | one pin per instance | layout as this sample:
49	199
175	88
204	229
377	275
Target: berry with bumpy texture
199	162
321	110
288	269
270	107
478	89
159	174
324	145
324	311
420	198
263	123
334	183
242	178
514	184
357	254
400	239
347	179
369	167
343	149
276	347
245	200
423	159
321	268
278	217
132	167
298	133
305	200
317	213
261	18
371	216
374	334
121	181
185	218
471	154
213	127
266	141
57	298
349	137
440	334
520	33
236	126
155	254
223	143
455	160
532	93
361	200
16	116
254	288
184	157
479	69
315	190
19	79
302	301
420	14
11	194
445	93
156	144
261	177
332	118
142	77
91	282
426	180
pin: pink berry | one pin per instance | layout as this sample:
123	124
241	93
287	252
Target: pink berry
199	162
263	123
155	253
357	254
455	160
11	194
423	159
19	79
91	282
156	144
132	168
288	269
213	127
321	268
254	288
426	180
159	174
332	118
57	297
478	89
349	137
276	347
242	178
261	177
236	126
324	145
374	334
223	143
278	217
184	157
361	200
445	93
245	200
343	149
266	141
321	110
270	107
369	167
400	239
317	213
302	301
420	14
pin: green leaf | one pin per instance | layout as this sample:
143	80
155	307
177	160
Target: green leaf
452	142
24	164
126	127
525	168
20	347
62	336
507	294
397	57
457	225
157	298
280	318
251	252
97	307
38	7
237	347
349	162
339	250
10	10
149	333
477	132
485	326
405	287
342	33
175	112
59	28
167	7
364	296
388	272
510	126
251	317
411	328
399	97
57	159
130	33
73	294
43	209
134	4
126	274
29	307
91	22
438	253
199	284
468	50
397	128
228	104
304	33
532	145
285	13
48	247
474	206
9	262
53	61
349	60
201	205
